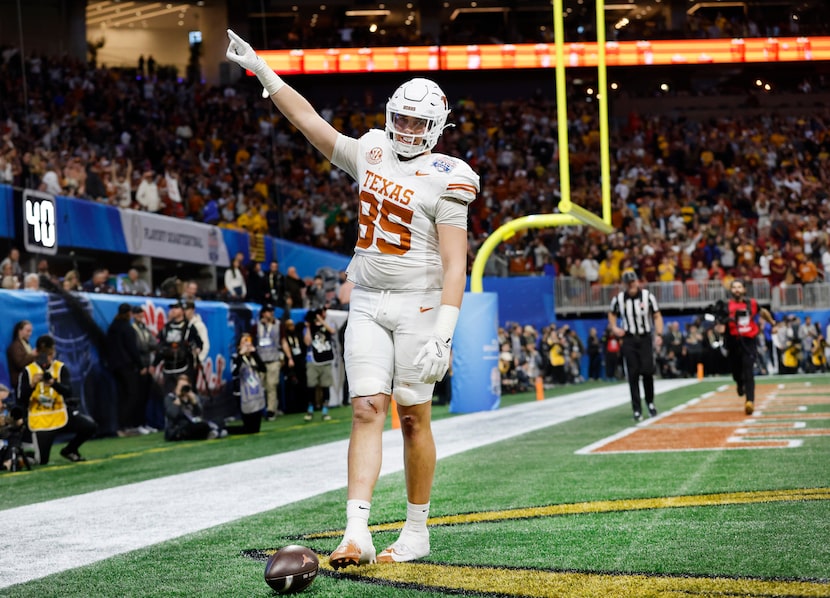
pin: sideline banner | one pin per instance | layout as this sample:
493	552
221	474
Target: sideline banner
173	238
476	382
213	313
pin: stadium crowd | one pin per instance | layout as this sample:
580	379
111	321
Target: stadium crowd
737	195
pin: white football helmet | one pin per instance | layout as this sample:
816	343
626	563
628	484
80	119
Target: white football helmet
416	115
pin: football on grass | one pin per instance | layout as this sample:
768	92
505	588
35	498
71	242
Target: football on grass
291	569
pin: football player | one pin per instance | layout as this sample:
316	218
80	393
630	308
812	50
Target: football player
408	275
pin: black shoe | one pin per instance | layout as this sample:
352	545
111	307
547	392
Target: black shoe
638	417
652	410
270	416
72	456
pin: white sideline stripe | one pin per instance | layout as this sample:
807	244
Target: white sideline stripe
62	534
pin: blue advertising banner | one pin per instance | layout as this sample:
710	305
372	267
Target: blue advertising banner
6	212
89	225
214	314
476	382
522	299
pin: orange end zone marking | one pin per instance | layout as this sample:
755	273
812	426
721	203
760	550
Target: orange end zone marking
716	421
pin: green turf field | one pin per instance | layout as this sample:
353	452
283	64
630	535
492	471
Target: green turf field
529	516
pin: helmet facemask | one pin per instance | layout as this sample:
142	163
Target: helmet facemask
416	115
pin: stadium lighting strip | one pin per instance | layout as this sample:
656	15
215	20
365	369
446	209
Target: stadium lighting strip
524	56
116	15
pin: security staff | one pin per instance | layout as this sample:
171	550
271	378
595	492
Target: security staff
641	332
741	340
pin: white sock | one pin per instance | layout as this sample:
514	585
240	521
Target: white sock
357	518
416	519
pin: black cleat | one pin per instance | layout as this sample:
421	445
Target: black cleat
638	417
652	410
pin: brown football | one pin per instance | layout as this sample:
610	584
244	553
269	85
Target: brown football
291	569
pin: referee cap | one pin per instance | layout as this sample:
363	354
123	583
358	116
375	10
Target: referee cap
629	276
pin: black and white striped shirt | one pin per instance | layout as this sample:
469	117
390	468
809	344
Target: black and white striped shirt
637	312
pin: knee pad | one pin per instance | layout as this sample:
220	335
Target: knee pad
366	387
414	394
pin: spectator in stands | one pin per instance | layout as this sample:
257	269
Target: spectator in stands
190	291
119	187
247	371
253	220
316	293
99	283
256	284
147	195
51	182
31	282
19	352
72	281
46	277
184	415
13	260
235	286
274	285
45	393
124	361
294	288
10	282
135	285
700	273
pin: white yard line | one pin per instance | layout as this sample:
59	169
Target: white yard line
66	533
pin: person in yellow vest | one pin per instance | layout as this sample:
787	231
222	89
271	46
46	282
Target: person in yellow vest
45	393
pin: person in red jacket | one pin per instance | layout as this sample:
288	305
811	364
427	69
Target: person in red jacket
741	331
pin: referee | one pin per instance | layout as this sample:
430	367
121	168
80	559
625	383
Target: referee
640	315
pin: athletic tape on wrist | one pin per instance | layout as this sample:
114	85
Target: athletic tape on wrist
270	80
446	321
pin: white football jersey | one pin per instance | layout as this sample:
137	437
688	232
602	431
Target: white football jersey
400	204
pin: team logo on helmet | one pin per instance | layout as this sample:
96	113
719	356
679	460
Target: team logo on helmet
374	155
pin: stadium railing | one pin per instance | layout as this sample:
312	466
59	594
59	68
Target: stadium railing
575	295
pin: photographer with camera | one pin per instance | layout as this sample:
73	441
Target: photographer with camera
45	393
247	372
641	317
741	329
319	338
179	342
183	414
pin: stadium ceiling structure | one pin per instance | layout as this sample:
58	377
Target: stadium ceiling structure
398	13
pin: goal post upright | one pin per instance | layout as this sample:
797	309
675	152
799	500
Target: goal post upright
571	214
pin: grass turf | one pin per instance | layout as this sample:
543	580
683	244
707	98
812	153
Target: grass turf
766	541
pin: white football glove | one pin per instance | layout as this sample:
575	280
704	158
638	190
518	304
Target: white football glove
434	359
241	52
